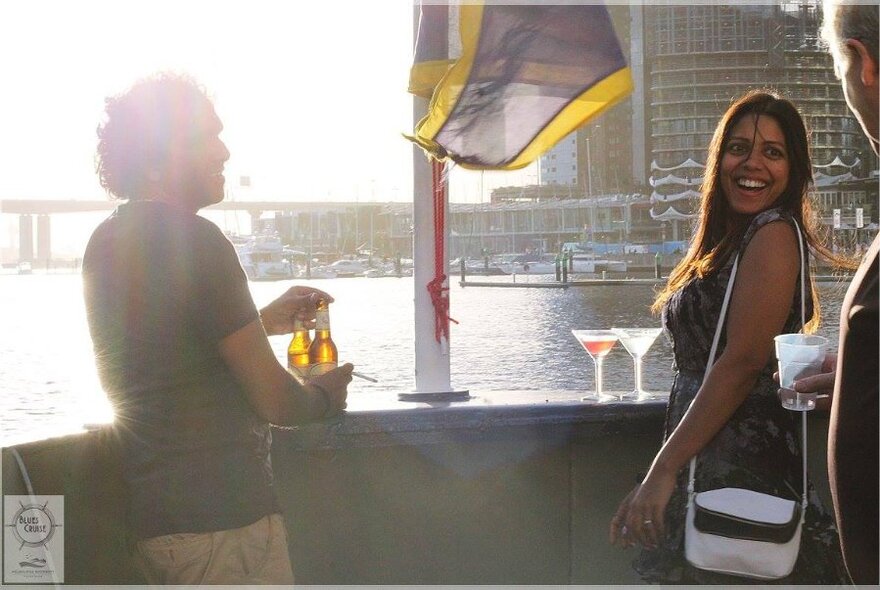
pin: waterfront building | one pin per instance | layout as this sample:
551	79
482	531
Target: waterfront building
559	166
688	63
611	223
607	223
700	57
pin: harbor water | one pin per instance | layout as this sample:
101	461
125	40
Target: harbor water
506	339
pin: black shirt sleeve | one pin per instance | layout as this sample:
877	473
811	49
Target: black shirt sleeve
224	303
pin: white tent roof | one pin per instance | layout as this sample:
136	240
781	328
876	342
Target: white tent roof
823	180
689	163
673	179
671	213
688	194
838	162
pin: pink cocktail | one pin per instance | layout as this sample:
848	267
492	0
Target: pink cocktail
598	347
597	343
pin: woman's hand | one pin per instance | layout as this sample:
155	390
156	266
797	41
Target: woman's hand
619	533
647	505
295	303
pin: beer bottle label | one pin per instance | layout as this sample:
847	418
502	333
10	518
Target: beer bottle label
321	368
322	319
300	373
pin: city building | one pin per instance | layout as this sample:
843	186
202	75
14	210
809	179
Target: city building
699	58
559	166
688	63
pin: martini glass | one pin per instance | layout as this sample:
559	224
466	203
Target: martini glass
597	343
637	341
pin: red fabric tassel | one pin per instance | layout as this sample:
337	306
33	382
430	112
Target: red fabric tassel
439	293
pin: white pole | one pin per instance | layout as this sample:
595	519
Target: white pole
431	357
592	200
589	171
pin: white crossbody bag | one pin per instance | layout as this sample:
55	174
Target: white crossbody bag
742	532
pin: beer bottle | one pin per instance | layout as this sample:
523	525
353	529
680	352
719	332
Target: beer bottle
298	351
322	353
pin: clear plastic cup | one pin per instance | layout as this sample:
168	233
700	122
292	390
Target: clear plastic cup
799	356
801	348
798	401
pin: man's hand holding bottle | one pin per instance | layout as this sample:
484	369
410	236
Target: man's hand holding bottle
297	303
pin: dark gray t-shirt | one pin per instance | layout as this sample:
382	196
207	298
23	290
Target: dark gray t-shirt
163	287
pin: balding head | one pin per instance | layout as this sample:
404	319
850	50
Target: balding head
850	29
849	19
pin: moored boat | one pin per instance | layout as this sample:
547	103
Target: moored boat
262	258
477	266
530	264
588	263
347	268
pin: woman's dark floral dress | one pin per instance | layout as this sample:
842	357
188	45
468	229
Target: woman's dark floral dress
759	448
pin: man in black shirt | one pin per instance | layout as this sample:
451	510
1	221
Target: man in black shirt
851	30
182	350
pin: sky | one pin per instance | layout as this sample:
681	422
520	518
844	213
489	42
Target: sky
312	94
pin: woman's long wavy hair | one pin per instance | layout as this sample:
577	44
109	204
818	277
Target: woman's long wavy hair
720	229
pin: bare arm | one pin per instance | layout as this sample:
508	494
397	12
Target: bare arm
273	392
763	291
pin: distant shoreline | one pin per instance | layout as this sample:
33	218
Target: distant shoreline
639	273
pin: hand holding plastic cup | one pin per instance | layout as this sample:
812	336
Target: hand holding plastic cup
799	356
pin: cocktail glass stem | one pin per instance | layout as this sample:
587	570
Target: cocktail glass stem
598	362
637	361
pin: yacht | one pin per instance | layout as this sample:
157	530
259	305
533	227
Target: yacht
584	259
262	258
346	268
529	264
588	263
477	266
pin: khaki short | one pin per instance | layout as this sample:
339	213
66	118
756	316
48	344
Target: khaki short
255	554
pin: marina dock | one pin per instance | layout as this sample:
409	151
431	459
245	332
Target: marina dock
609	282
565	285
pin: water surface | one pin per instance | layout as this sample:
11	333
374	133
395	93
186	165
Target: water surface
507	339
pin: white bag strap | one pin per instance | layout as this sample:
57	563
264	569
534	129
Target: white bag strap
714	349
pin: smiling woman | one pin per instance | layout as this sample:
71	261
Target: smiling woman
759	158
724	410
754	167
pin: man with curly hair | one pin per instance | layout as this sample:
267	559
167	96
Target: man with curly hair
182	351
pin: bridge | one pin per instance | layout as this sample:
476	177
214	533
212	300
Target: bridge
43	209
50	206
